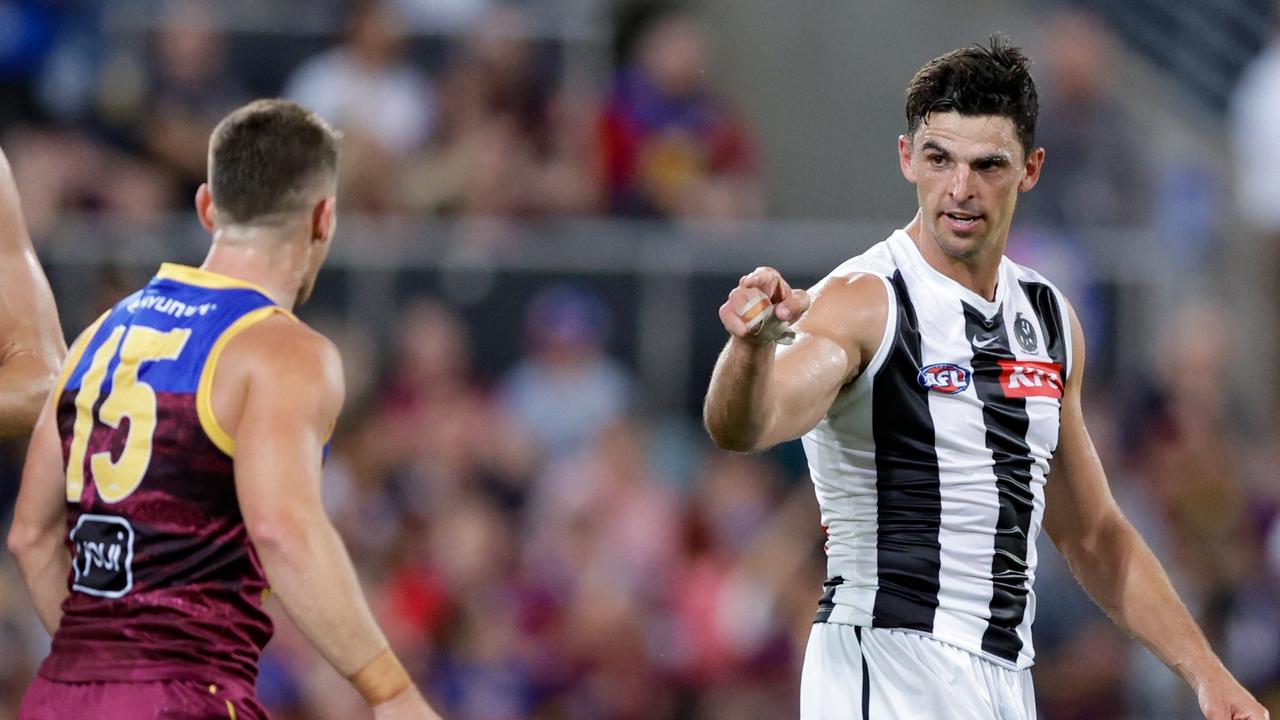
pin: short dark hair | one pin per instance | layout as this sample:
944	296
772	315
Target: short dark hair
993	79
266	157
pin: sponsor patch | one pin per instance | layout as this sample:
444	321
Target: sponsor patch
103	562
945	378
1024	379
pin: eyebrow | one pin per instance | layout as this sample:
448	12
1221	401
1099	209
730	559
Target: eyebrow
998	158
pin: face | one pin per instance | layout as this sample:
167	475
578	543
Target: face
968	171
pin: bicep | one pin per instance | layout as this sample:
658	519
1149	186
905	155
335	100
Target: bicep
289	408
845	324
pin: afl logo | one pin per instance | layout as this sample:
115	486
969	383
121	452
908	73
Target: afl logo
945	378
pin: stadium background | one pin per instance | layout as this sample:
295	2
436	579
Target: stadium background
534	239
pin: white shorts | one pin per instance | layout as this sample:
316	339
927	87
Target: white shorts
857	673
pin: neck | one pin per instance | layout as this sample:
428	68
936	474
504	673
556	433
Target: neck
979	272
258	256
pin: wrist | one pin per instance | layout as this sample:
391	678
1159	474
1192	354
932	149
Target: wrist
381	679
1200	670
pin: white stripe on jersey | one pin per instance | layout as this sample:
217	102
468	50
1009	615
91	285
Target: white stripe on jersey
986	464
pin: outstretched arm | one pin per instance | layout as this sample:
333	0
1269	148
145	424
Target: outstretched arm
1114	564
31	343
287	381
761	394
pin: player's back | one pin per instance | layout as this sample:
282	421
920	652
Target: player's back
165	584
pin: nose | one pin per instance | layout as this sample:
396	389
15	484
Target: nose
961	183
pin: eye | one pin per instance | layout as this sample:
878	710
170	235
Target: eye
936	160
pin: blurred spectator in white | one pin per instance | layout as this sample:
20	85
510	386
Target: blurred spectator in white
508	142
1256	137
566	390
384	105
670	145
442	15
1093	157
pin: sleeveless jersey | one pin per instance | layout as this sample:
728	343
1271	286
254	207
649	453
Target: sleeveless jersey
165	584
930	467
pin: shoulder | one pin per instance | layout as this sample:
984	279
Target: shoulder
282	354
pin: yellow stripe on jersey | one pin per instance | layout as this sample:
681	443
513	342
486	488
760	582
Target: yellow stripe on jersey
204	392
73	357
231	710
203	278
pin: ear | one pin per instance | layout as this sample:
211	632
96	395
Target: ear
204	206
1035	163
324	219
904	158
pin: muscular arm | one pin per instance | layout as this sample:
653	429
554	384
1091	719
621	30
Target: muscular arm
1115	566
762	394
287	382
31	343
40	522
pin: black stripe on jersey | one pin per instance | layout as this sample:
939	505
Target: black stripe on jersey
828	601
866	676
908	489
1052	324
1007	424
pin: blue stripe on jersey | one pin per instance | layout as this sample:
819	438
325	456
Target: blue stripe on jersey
167	303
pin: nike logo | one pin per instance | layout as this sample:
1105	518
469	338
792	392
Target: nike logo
986	342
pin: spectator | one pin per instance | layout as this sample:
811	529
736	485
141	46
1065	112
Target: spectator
365	87
566	389
670	145
1095	155
508	143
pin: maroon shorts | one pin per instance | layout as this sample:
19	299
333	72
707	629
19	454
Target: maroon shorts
177	700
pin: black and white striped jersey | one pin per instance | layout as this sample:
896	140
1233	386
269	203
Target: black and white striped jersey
930	467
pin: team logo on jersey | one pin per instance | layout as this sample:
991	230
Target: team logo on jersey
1021	379
946	378
1025	332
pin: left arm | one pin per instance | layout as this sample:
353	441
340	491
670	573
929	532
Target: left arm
1115	566
40	522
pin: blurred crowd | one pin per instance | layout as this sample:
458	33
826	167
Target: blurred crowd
539	540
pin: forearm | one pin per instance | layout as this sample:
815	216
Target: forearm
310	571
45	564
740	405
25	381
1124	577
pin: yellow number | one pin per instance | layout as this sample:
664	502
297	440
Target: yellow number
129	398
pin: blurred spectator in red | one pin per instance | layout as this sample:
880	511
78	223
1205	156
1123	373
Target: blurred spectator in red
383	104
566	390
671	146
508	143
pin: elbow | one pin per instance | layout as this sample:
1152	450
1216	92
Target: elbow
22	541
281	538
726	439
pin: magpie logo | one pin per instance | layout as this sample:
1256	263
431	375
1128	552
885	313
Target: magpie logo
1025	332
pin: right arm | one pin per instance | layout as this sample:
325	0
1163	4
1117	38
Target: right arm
761	395
287	383
31	343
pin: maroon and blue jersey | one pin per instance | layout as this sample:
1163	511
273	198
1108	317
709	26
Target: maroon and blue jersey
165	583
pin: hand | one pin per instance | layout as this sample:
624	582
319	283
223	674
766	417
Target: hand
408	705
788	304
1225	699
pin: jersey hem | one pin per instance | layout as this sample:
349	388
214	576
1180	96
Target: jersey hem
848	615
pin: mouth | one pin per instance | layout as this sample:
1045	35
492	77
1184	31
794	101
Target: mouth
962	221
